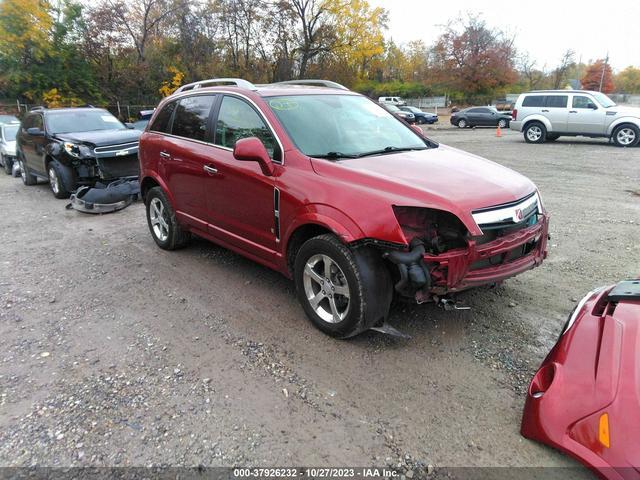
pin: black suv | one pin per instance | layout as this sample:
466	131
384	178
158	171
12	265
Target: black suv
71	147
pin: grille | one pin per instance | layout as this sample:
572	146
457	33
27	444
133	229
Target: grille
116	167
518	213
110	150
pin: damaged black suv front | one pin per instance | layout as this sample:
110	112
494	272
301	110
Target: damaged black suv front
75	147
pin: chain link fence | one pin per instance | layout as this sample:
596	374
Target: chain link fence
125	111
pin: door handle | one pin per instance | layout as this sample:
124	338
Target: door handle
545	110
165	154
210	170
573	111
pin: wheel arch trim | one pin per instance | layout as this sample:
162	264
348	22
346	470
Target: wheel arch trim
623	120
537	118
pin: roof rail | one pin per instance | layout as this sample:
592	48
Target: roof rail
34	109
238	82
313	83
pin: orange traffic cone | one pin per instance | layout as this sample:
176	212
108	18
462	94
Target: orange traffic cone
498	132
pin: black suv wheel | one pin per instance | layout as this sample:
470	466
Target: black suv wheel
58	179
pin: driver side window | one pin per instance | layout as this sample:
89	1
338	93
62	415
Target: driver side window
237	120
582	102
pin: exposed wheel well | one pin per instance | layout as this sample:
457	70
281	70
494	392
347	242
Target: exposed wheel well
529	122
298	237
147	184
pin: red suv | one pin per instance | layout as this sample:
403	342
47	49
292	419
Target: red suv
330	189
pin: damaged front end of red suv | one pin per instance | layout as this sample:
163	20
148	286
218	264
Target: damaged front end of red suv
444	257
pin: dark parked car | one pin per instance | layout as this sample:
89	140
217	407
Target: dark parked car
404	115
480	117
420	116
71	147
333	191
143	119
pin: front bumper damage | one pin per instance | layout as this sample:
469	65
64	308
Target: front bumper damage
106	198
472	266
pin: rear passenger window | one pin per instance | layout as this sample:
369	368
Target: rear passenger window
161	122
533	101
557	101
236	120
192	116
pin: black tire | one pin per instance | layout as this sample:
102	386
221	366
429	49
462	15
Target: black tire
462	123
7	164
361	271
175	236
503	123
60	178
27	177
626	135
552	137
535	132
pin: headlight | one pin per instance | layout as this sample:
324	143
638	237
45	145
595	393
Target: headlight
77	150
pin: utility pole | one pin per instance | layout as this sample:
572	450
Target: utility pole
604	67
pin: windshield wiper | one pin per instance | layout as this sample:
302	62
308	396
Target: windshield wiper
390	149
334	155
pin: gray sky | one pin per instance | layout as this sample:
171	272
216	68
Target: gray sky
544	28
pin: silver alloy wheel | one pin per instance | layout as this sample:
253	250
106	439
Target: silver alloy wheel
502	123
534	133
23	173
626	136
53	180
326	288
462	123
159	219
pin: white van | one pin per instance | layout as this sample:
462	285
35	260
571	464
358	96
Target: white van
548	114
397	101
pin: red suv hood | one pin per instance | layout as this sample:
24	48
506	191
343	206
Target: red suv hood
442	177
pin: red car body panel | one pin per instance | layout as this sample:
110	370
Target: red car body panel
592	370
353	198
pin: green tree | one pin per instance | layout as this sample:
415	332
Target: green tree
628	80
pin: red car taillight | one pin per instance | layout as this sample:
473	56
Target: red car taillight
514	114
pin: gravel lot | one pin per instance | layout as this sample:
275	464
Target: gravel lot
116	353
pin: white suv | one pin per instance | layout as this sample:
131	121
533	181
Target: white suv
549	114
397	101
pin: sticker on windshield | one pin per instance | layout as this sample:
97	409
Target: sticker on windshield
283	104
109	118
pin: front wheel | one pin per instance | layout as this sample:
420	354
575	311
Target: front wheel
626	136
57	176
161	218
342	291
535	132
462	123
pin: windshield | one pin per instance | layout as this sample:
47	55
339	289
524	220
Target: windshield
603	100
9	132
338	126
413	109
81	121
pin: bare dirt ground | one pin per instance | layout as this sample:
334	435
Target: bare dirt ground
116	353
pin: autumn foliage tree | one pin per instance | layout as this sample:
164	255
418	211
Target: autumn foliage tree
474	58
598	76
628	80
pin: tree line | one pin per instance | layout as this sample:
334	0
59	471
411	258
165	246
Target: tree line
62	52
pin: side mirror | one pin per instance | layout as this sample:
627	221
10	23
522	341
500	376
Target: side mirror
129	125
251	149
35	132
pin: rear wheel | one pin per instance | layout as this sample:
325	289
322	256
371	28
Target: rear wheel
342	291
502	123
27	177
161	218
535	132
462	123
626	135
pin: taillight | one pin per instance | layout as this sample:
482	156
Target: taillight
514	114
